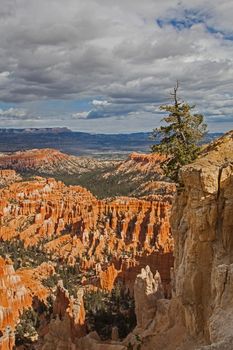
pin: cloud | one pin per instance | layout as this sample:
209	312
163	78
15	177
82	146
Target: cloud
13	113
100	103
16	114
79	115
122	57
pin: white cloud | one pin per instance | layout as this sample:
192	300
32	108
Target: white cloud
79	115
98	103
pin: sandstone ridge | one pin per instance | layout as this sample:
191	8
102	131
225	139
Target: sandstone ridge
48	161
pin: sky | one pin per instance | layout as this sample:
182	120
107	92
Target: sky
105	66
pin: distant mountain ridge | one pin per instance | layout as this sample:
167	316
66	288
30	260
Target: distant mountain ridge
79	143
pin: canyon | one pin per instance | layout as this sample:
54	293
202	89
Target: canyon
137	175
89	243
171	252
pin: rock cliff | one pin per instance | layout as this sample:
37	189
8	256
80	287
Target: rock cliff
147	290
202	225
199	315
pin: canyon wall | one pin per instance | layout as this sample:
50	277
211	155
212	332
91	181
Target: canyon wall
202	225
199	315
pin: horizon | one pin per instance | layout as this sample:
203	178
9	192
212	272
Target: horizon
109	72
92	133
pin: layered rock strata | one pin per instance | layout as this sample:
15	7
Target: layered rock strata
145	171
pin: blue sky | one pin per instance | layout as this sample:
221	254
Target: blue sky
107	66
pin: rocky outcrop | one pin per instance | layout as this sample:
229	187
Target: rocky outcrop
142	162
199	315
32	279
18	291
202	224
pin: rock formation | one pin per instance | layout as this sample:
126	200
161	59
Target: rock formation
69	322
199	315
147	290
49	161
202	225
32	279
8	177
13	298
70	224
140	174
101	241
117	236
144	173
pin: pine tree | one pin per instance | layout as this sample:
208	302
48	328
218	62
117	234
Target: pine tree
179	140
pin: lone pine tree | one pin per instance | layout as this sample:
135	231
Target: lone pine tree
179	140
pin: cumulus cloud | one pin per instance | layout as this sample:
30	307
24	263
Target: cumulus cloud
122	57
